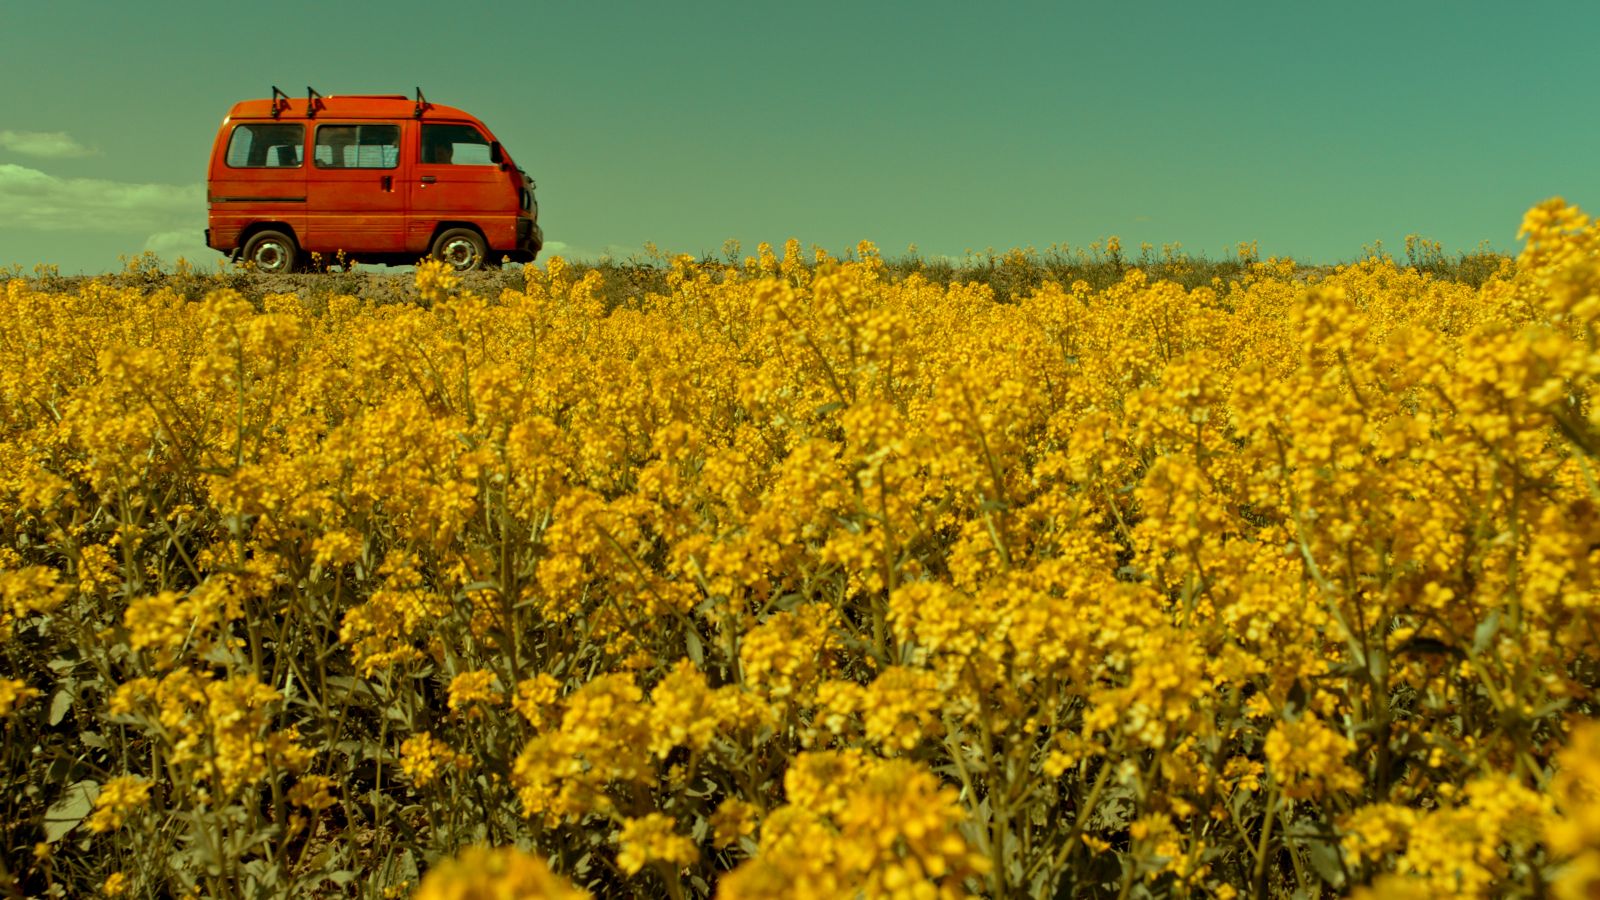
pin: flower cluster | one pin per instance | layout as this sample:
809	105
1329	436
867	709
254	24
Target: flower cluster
804	576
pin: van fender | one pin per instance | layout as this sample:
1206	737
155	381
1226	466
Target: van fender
443	226
249	231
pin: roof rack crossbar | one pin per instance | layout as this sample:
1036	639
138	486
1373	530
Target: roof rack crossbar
276	109
311	101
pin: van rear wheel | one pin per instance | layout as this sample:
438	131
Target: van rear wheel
271	252
461	248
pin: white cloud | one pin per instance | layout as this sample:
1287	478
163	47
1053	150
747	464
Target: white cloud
614	252
187	243
47	144
563	250
33	199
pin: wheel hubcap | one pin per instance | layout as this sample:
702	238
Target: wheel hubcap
460	253
269	257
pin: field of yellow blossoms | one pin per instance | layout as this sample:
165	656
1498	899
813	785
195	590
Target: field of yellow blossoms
796	579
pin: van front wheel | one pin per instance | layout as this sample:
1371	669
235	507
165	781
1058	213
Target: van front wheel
461	248
271	252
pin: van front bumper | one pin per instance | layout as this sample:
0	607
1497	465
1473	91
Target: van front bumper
530	240
530	236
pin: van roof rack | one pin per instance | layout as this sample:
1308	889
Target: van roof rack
278	109
316	99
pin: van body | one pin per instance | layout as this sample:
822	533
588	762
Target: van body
372	178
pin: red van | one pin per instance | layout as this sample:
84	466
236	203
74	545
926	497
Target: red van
381	178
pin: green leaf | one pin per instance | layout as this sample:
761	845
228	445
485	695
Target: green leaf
59	704
65	814
1551	708
1485	632
1324	858
408	867
697	653
827	408
260	876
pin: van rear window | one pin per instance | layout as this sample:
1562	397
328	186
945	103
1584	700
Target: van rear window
267	145
357	147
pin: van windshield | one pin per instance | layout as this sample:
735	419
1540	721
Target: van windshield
458	145
267	145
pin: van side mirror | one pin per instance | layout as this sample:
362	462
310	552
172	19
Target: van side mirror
496	154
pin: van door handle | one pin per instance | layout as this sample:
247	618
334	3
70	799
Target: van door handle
428	179
388	182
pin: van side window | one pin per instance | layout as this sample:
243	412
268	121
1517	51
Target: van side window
459	145
268	145
357	147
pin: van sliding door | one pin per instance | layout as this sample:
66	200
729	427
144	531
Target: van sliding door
356	201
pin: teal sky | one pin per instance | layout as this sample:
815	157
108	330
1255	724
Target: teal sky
1313	128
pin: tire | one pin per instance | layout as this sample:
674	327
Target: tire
461	248
272	252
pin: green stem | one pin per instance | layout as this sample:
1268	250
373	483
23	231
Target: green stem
1259	877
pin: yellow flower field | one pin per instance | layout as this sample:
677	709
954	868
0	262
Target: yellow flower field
797	579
